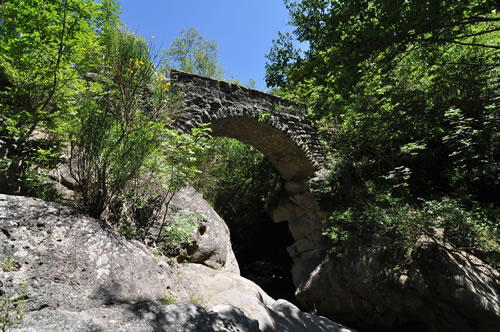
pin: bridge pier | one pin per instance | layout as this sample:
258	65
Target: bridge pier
297	206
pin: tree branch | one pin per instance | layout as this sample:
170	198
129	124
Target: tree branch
56	68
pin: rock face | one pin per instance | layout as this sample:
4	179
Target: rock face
211	241
142	317
74	273
280	315
71	261
443	289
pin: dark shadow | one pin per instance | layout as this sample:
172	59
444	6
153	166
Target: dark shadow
189	317
260	249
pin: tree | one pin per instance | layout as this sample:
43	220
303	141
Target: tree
409	91
44	47
237	179
191	53
72	77
115	124
348	39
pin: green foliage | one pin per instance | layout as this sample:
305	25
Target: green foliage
72	77
176	160
44	47
191	53
11	308
167	300
444	220
408	95
116	127
179	232
171	167
236	178
342	37
37	184
10	264
144	201
250	83
196	299
266	116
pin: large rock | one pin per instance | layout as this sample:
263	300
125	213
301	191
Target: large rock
440	289
75	262
74	273
211	241
142	317
216	287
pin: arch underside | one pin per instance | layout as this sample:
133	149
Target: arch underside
288	158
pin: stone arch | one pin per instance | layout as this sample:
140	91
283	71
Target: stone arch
270	124
284	135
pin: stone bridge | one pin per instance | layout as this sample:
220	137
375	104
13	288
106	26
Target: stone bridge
284	135
272	125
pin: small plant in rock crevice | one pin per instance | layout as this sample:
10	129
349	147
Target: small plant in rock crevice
179	233
167	300
11	308
196	299
10	264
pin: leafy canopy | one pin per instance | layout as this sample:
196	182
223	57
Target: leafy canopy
408	91
191	53
44	47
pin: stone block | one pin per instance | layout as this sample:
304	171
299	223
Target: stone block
286	210
295	186
305	200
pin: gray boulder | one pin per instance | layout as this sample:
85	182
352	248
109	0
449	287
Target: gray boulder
143	317
440	289
69	272
71	261
218	287
211	241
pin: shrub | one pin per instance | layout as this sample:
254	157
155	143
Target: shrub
114	128
179	233
167	300
402	223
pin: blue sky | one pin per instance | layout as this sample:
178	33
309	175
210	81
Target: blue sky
243	29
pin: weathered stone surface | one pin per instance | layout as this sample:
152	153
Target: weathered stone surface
80	275
305	200
212	245
285	210
142	317
295	186
72	261
302	321
219	287
285	136
443	289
